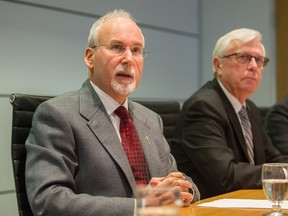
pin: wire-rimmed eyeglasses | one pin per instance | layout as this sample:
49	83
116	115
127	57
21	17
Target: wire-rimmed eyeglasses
244	58
118	49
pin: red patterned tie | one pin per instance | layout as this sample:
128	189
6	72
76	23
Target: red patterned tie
132	146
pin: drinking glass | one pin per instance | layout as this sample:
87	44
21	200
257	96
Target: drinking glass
158	201
275	185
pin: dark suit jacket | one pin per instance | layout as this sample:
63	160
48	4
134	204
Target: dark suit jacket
75	162
276	124
210	145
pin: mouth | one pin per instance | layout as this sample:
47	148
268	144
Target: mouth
124	75
250	78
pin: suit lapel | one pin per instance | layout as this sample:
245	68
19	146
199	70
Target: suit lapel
107	136
259	154
233	117
100	124
150	152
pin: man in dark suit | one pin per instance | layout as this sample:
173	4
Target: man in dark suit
76	164
276	124
221	151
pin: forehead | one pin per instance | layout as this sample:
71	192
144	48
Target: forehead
120	29
253	46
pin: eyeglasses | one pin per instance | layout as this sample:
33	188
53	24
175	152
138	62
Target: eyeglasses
244	58
118	49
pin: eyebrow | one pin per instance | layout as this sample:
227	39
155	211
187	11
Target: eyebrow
121	42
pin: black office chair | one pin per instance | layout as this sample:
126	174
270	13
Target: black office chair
24	107
169	112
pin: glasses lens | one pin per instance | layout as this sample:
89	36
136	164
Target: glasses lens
265	62
243	58
261	61
117	49
145	53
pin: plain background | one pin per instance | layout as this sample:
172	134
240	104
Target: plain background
42	44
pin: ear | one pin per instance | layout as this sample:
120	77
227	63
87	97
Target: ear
217	65
88	58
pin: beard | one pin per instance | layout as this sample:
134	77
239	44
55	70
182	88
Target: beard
123	87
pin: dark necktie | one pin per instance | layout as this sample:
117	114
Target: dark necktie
132	146
247	132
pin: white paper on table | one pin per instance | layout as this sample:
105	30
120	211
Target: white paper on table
242	203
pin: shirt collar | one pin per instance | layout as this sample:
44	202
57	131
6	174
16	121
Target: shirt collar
233	100
109	103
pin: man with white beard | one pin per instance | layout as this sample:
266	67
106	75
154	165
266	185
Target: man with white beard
76	164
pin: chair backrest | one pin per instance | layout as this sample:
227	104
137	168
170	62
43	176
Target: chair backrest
169	112
24	107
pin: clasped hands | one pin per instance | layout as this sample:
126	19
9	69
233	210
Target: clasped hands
178	189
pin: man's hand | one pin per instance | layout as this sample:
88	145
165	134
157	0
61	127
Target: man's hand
176	182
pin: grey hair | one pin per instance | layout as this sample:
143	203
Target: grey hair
243	35
94	31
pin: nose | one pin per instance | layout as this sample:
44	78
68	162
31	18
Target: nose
127	56
253	62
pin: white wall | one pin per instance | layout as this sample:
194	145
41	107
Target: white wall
44	47
42	44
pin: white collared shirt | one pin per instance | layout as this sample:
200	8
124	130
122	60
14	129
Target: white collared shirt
110	105
234	101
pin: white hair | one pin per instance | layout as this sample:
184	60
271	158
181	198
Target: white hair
94	31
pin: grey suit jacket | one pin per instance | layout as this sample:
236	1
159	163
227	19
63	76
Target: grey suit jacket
210	145
75	162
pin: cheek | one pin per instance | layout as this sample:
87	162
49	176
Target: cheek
260	74
237	72
139	69
104	69
109	66
138	78
139	64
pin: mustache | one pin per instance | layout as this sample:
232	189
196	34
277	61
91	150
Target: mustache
125	71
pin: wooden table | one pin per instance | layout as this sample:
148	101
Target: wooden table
194	210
